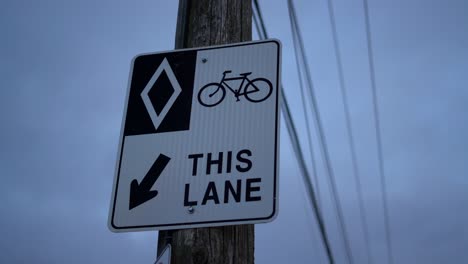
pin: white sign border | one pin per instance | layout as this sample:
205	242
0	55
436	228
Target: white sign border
187	225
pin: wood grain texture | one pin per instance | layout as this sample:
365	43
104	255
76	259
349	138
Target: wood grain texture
212	22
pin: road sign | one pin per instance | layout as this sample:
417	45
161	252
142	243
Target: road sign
199	141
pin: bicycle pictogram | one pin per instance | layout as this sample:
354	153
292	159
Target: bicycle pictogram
255	91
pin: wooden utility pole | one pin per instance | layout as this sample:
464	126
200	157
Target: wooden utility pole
204	23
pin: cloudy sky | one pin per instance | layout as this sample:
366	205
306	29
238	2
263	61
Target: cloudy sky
64	67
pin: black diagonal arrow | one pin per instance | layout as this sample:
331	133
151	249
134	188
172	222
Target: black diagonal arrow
141	193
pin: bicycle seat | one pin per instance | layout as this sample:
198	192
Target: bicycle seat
245	74
226	72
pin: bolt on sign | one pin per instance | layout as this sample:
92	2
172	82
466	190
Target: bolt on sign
199	142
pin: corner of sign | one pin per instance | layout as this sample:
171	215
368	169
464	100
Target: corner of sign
134	59
112	227
276	41
273	215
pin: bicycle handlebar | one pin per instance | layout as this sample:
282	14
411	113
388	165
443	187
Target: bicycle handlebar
226	72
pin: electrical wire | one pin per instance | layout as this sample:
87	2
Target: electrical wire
260	25
323	145
304	172
349	130
304	109
260	32
378	134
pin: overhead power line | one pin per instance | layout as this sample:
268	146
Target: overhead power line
304	106
305	173
322	140
256	17
259	22
260	25
352	146
378	133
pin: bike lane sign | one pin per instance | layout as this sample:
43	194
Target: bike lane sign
199	143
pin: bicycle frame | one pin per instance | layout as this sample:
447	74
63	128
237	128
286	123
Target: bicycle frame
237	92
245	88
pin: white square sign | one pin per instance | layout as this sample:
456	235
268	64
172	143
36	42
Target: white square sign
199	141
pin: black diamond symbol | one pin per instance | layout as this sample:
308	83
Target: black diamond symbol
161	92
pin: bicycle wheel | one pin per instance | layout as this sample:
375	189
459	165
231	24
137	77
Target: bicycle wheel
211	94
258	90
